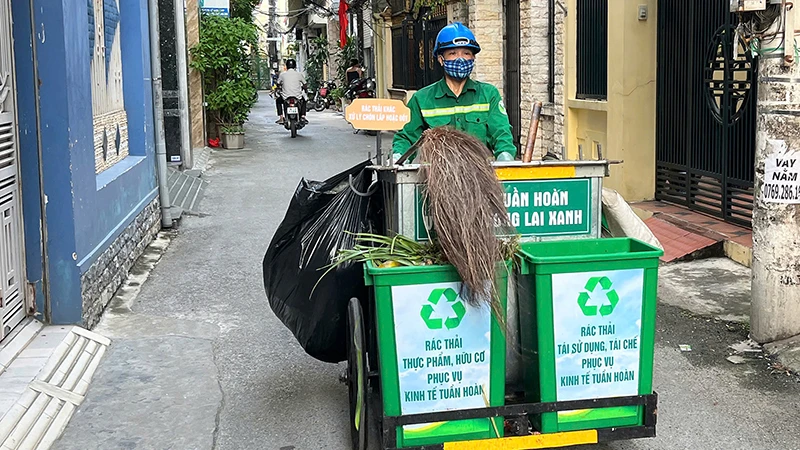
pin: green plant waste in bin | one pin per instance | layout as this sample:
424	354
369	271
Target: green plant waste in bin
587	325
436	352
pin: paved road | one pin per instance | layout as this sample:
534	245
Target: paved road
199	361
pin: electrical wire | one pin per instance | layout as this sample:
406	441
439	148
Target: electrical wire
756	29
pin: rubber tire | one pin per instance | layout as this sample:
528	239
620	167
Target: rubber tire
357	375
319	107
293	128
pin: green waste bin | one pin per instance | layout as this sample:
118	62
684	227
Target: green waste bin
436	352
587	326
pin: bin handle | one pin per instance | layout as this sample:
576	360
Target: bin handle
370	190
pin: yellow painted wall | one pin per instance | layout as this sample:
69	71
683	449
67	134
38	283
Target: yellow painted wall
625	123
383	54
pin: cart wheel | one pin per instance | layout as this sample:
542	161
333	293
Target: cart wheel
357	375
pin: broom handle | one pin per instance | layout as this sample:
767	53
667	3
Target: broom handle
534	129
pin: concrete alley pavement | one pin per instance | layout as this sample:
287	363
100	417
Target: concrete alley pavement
199	361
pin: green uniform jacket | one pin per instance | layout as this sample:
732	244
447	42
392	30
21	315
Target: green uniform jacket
478	111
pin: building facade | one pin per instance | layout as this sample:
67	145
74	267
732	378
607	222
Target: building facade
598	67
80	107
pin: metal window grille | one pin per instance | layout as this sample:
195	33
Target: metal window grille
592	51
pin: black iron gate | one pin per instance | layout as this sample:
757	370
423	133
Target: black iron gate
413	63
260	71
428	70
706	110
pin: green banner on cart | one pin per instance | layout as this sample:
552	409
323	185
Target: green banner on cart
537	208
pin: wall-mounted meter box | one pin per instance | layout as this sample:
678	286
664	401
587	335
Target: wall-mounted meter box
748	5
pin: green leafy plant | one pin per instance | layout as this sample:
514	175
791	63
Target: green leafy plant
243	9
343	58
337	94
386	251
316	62
223	57
292	49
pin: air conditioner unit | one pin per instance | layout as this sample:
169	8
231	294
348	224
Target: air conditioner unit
748	5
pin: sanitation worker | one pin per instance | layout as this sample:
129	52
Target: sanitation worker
457	100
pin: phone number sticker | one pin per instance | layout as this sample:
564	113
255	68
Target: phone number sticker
782	176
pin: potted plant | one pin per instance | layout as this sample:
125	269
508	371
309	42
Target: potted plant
232	136
337	98
223	57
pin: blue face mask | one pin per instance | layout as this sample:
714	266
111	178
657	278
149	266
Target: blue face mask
459	68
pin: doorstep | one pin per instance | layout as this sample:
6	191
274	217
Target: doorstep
45	373
687	234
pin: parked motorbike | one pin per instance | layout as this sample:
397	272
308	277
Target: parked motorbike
292	121
361	88
323	98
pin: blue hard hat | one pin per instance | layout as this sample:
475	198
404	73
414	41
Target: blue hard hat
455	35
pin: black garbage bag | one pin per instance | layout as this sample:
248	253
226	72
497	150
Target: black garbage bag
321	219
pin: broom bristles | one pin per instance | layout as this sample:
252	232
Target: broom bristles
466	204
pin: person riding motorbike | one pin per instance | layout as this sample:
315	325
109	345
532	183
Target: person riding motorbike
292	84
458	101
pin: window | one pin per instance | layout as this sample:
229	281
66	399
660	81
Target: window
592	51
399	58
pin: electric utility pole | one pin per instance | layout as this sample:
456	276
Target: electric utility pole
775	306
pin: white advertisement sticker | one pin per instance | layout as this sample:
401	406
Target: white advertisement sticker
781	169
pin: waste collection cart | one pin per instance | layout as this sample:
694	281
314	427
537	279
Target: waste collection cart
441	378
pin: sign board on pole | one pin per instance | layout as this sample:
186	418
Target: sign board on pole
216	7
781	175
377	114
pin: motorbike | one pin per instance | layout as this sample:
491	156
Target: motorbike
292	121
323	98
361	88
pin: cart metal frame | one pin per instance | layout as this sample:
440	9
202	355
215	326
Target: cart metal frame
363	369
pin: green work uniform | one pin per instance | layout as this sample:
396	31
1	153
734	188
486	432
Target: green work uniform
478	111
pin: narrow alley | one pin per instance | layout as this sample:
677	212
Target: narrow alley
199	361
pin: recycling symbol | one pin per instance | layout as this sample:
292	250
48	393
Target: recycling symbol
591	287
450	296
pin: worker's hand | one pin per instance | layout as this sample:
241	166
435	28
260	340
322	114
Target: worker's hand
505	156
